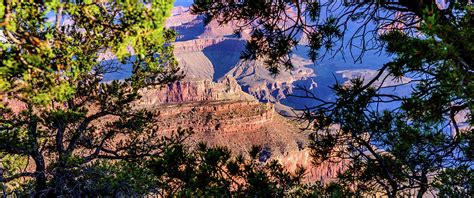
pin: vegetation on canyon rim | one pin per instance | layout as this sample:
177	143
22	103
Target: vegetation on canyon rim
84	137
424	143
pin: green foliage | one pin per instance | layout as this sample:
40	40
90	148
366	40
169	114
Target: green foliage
56	110
116	178
214	171
395	151
456	182
10	166
43	61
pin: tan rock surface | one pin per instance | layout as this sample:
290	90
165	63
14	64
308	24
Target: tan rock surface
222	114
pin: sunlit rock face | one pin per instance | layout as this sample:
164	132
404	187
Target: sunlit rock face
193	91
220	113
324	172
237	125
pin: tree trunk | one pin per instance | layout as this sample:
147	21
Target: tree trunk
423	186
40	188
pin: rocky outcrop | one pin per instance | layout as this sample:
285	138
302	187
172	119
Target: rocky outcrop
179	16
216	30
256	80
238	125
221	114
195	45
223	118
253	76
193	91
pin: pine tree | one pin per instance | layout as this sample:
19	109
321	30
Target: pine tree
428	138
57	113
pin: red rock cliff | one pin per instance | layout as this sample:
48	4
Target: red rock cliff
193	91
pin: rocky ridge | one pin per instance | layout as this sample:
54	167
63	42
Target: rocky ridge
220	113
193	91
195	45
255	79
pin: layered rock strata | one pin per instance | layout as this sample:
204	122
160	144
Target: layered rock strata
193	91
221	114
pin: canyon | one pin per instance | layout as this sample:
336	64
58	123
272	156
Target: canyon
231	102
221	114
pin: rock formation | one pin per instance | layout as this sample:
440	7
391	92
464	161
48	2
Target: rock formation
193	91
222	114
324	172
195	45
255	79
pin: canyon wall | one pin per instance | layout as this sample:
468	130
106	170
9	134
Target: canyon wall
195	45
219	58
193	91
221	114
